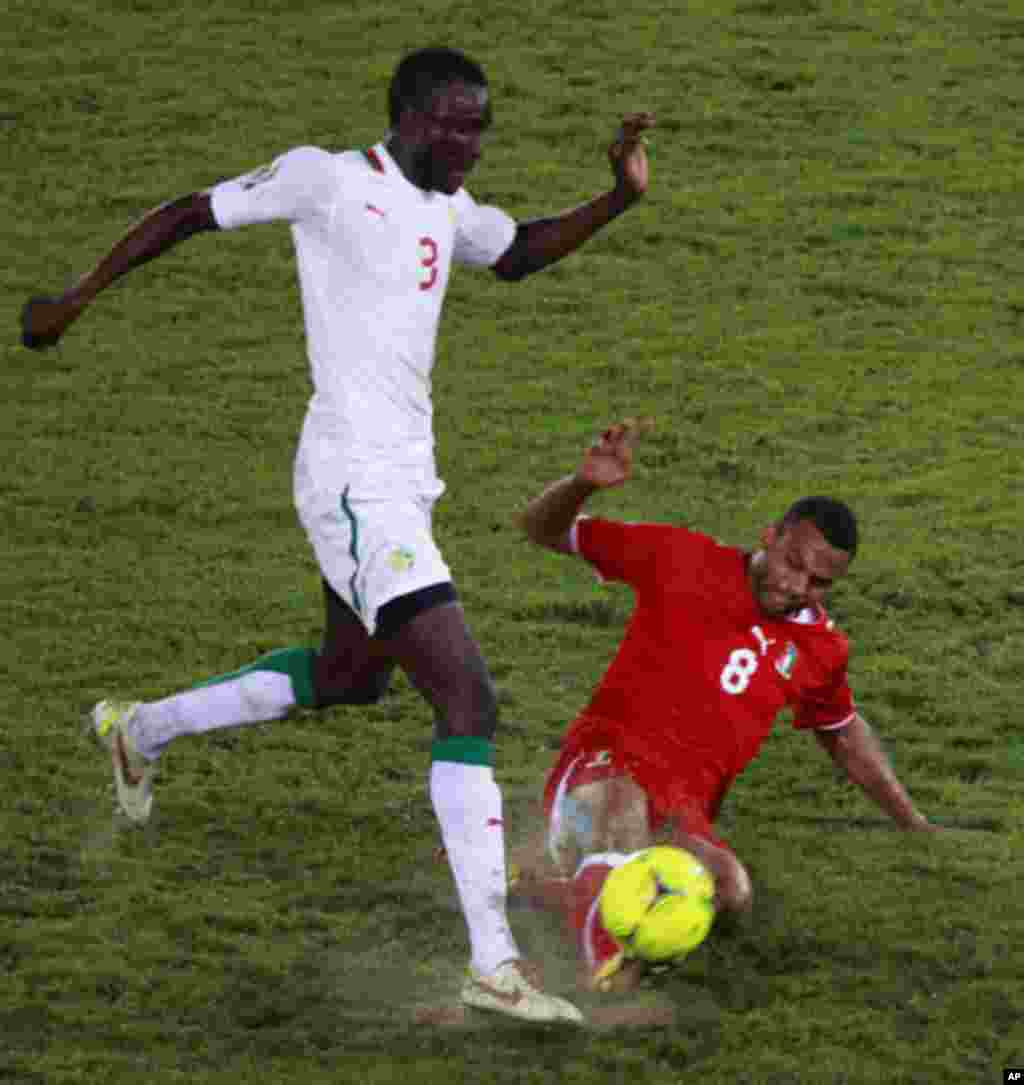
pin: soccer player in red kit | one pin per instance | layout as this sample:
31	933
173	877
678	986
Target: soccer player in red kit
721	640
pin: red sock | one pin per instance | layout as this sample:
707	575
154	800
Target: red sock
596	946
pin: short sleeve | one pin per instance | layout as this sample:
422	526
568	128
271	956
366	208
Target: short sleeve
626	552
482	233
829	705
296	187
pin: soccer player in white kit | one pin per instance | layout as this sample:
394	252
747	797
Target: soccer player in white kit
375	234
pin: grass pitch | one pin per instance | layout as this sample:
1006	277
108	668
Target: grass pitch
822	292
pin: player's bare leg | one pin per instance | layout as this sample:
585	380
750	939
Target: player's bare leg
351	667
604	817
438	653
618	814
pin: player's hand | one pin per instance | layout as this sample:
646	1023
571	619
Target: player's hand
44	320
925	826
609	460
628	157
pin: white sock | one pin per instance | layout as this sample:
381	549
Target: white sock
467	802
251	698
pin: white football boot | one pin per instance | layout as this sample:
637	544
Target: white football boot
133	774
512	989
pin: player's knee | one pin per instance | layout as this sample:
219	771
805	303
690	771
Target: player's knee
349	689
472	707
612	815
484	710
368	692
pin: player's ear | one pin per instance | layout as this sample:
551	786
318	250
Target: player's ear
405	126
770	534
409	126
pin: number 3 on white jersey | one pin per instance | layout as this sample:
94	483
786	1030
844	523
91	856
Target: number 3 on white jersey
736	674
428	262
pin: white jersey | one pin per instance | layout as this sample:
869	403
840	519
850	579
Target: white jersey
374	254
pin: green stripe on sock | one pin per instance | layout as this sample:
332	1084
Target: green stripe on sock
465	749
297	663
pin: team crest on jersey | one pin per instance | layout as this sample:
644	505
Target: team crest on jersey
259	177
401	559
787	661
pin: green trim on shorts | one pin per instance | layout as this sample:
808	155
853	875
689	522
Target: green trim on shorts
297	663
353	550
464	749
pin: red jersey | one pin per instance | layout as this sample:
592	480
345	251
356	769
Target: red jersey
702	671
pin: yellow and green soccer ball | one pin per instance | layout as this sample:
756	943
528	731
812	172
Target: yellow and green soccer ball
659	904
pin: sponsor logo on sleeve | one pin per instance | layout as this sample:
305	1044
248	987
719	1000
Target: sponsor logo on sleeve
259	176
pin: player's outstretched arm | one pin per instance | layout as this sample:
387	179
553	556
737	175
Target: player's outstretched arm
45	319
856	749
544	241
548	518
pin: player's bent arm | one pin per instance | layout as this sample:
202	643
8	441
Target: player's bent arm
545	241
608	462
856	749
45	319
548	518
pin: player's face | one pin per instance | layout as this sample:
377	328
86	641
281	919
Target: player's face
448	135
795	568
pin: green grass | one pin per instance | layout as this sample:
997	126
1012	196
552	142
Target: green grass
824	291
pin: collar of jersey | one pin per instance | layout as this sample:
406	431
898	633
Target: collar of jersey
391	170
384	163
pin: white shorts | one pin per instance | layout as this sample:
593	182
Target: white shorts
370	550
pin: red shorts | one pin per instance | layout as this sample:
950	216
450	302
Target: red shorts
595	945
